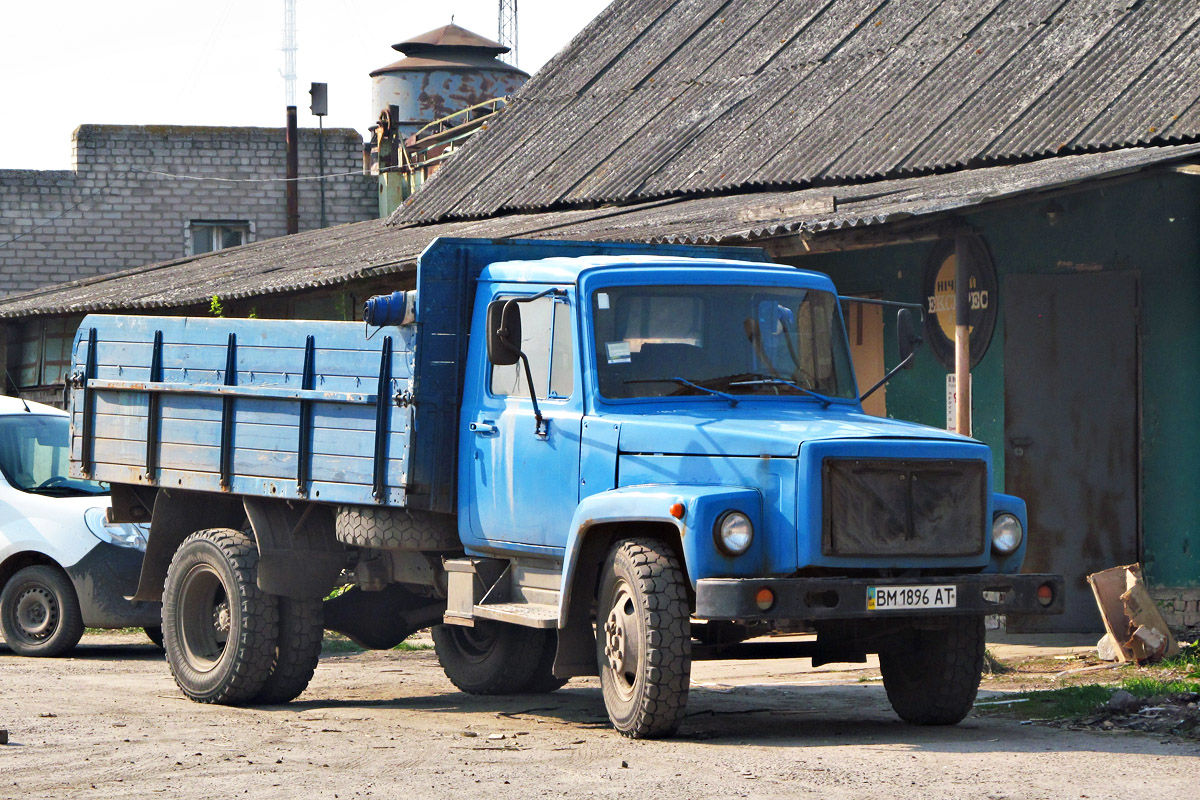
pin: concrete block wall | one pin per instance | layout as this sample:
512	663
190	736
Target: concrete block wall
1180	608
117	209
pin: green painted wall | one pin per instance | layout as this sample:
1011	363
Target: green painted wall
1151	225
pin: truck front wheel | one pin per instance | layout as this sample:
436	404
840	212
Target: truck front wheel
932	676
219	628
489	658
643	642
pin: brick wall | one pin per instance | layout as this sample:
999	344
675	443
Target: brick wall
111	212
1180	608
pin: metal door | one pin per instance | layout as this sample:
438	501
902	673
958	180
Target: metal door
1072	439
525	484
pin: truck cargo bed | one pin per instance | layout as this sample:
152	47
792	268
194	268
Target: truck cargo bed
258	407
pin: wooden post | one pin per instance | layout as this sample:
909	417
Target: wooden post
962	338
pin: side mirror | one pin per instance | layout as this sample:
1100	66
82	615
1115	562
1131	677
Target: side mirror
907	338
503	333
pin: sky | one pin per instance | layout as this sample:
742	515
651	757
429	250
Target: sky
219	62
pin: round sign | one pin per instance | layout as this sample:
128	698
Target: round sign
937	288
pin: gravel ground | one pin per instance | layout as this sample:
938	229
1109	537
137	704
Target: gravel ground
110	723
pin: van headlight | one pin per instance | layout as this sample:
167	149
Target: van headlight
122	534
733	533
1006	534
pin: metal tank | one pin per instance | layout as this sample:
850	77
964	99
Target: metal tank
443	71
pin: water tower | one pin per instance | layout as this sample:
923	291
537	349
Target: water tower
443	71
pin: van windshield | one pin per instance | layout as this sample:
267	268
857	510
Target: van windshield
662	341
35	456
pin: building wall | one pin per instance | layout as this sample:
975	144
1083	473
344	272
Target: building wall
1150	224
113	212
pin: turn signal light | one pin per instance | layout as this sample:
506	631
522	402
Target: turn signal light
764	599
1045	594
677	510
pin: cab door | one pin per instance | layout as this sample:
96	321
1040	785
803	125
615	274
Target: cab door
524	484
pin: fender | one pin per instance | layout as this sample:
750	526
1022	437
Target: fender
600	519
652	504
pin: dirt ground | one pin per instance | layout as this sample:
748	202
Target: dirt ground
109	722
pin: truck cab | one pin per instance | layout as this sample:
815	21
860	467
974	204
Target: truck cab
578	459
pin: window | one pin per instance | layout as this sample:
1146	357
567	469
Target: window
209	236
546	341
659	341
45	347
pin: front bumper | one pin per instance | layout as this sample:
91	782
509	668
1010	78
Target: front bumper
846	598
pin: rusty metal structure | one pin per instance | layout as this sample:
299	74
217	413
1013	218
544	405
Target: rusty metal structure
450	77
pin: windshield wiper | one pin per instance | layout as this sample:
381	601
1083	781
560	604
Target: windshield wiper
685	382
759	379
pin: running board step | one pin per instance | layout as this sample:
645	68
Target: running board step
531	615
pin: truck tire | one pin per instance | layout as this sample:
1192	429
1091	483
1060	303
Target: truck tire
219	628
490	658
301	634
384	528
39	612
542	680
932	676
643	642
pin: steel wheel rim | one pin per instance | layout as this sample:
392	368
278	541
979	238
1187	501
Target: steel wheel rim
203	618
623	641
36	613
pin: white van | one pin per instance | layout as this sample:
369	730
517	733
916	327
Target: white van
63	565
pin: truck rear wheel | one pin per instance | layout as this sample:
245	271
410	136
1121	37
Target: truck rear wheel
490	658
932	676
219	628
643	642
301	634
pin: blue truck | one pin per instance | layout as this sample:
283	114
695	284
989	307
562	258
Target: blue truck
569	459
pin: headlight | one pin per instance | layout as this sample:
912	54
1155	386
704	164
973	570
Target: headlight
122	534
1006	534
733	533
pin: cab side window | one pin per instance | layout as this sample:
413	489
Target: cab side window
546	340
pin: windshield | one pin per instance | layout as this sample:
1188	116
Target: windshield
700	340
35	456
659	341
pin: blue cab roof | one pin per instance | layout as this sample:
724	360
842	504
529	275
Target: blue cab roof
569	270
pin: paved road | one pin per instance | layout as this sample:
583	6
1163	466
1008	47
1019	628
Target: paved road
110	723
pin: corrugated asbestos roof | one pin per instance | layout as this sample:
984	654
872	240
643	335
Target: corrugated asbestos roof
366	249
661	98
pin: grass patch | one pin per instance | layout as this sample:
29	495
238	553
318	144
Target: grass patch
336	643
1187	660
1080	701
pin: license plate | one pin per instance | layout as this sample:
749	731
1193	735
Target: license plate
895	598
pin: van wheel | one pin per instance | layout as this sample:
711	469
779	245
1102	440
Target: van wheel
301	633
932	676
39	612
490	658
643	642
219	628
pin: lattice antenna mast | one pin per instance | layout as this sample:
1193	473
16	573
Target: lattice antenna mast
289	51
507	34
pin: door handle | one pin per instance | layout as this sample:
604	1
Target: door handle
1019	443
483	428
